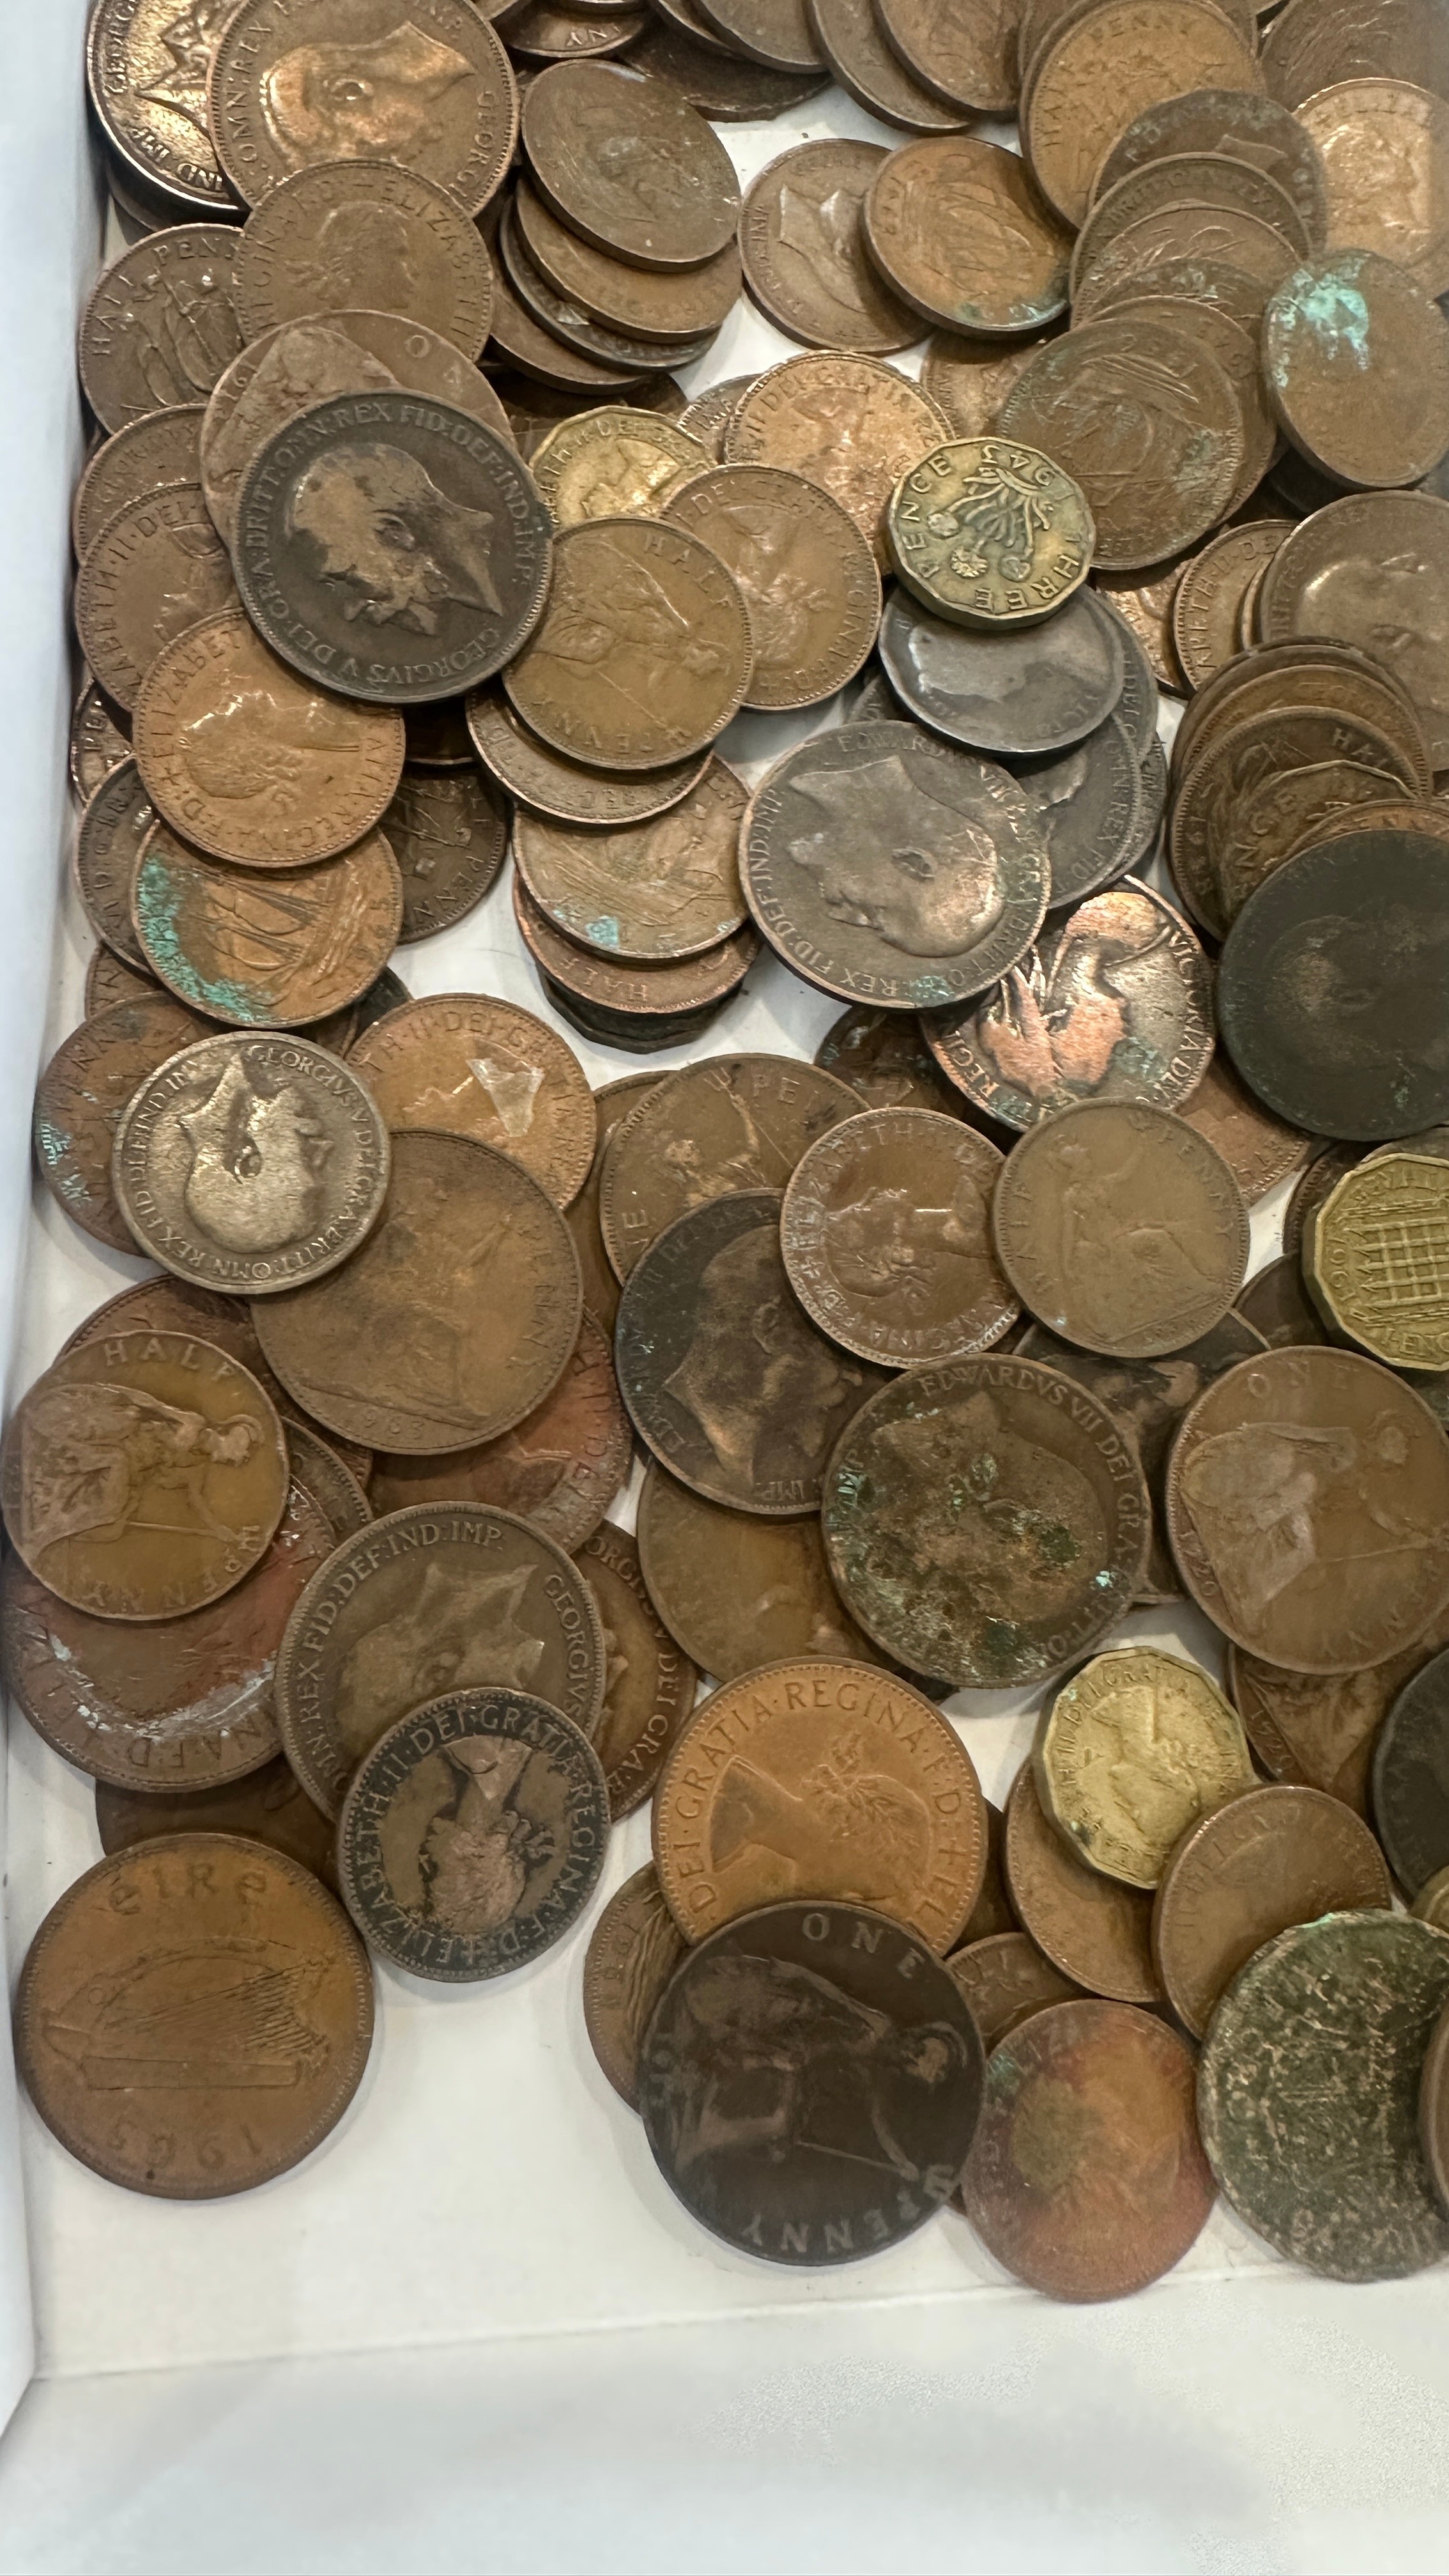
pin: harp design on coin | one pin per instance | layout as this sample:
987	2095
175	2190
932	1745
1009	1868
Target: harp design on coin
360	99
227	2016
460	1630
99	1461
385	533
190	40
1262	1501
182	335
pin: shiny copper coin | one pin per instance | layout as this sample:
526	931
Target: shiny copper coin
1004	1979
1385	148
470	1065
614	463
1210	594
194	2017
100	739
147	83
651	1685
850	37
270	1806
1373	570
259	950
1100	70
735	1122
1093	1929
648	892
1315	333
82	1096
1240	124
117	817
363	236
960	233
1259	1150
160	325
1310	47
149	454
737	1591
1244	1873
563	790
883	1055
850	424
448	831
633	1951
805	573
647	304
154	570
804	249
593	131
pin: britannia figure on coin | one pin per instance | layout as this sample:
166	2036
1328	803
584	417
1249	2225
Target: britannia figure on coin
99	1457
385	532
1264	1500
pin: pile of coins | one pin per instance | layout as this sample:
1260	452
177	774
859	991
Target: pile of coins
941	1350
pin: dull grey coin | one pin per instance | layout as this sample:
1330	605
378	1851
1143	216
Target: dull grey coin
1033	691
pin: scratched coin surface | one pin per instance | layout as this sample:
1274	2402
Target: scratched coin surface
806	574
633	1951
156	568
961	234
737	1591
1095	1930
728	1123
1130	1752
448	831
849	423
160	325
358	236
1037	689
647	892
1269	1858
1385	150
1373	570
81	1098
650	1685
471	1065
804	251
628	164
262	950
1101	68
146	73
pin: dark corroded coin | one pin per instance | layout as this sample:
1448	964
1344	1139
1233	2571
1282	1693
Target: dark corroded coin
1410	1778
473	1835
884	1056
270	1806
1036	690
651	1685
1094	1929
1259	1150
323	1472
1091	804
1356	360
1373	570
194	2016
160	448
81	1098
392	548
804	250
986	1522
867	2089
160	326
626	162
1277	1304
257	950
1330	992
727	1381
1308	2094
958	230
1005	1978
1239	125
888	867
633	1951
734	1122
737	1591
117	817
448	831
1087	2179
806	574
1242	1874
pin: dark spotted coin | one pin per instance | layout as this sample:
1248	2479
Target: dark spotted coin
1035	690
1410	1778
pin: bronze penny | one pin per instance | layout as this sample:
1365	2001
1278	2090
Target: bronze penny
1280	679
629	165
454	1320
1277	1304
1385	148
143	1475
1407	1778
633	1951
363	236
990	533
1373	571
849	423
964	55
1035	689
816	1779
1235	346
726	1380
251	763
620	354
563	790
601	1287
651	1685
652	996
1195	185
438	1597
970	379
250	1164
1114	1001
160	326
727	88
146	74
1093	1929
883	1055
1086	2178
1322	1174
324	1474
1210	595
448	831
1399	814
775	32
1144	420
559	1469
172	1704
1317	331
1180	241
666	305
516	335
885	1232
541	32
1239	124
1121	1228
735	1122
1102	67
804	571
1004	1980
737	1591
850	36
148	455
82	1096
117	817
473	1066
708	415
258	950
889	867
959	232
614	463
1259	1150
110	979
294	82
992	1912
1130	1752
270	1806
1094	810
341	1029
986	1522
1319	1729
1144	602
100	739
194	2017
804	249
649	892
155	569
1314	43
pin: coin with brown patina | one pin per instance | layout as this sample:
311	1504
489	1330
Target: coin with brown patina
1004	1979
961	234
518	334
1232	342
259	950
614	463
633	1951
146	72
155	569
805	573
363	236
644	999
776	32
110	979
1319	1729
667	306
1086	2178
883	1055
992	1912
100	739
1093	1929
160	325
849	423
1144	601
1293	678
1130	1752
293	82
1356	359
601	1288
1208	598
986	1522
542	32
1259	1150
194	2016
1310	47
563	790
651	1684
1277	1304
729	1123
1239	124
885	1232
1323	1173
81	1098
1121	1228
965	56
1372	569
971	379
850	36
471	1065
629	165
819	1779
1102	67
148	455
1373	1258
454	1320
323	1473
1385	148
804	250
448	831
1193	192
117	817
737	1591
270	1806
143	1476
990	532
654	891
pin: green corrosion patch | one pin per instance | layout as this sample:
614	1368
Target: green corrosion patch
158	907
1326	305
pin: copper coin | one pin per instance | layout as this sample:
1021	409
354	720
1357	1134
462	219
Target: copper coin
363	236
647	892
250	1164
1143	420
143	1476
149	454
1121	1228
1145	602
708	415
964	55
341	1029
959	232
627	163
1033	689
270	1806
515	334
804	571
1113	1002
828	1780
155	569
100	739
1086	2178
1323	1173
1244	126
1316	42
992	1912
850	36
294	82
804	249
1210	594
883	1055
559	1469
542	32
664	305
117	817
1286	679
448	831
776	32
455	1319
633	1951
601	1287
651	996
1408	1797
1175	246
620	354
1373	570
81	1098
885	1232
1235	346
1316	331
1093	1929
1197	187
251	763
1260	1151
651	1685
474	1066
1318	1729
1277	1304
1385	148
971	379
986	1522
324	1474
1092	807
1102	67
147	83
725	1378
169	1704
1244	1873
258	950
644	650
735	1122
1004	1980
1305	1501
563	790
737	1591
160	325
727	88
110	979
194	2017
850	424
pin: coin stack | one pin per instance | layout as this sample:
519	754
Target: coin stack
941	1350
